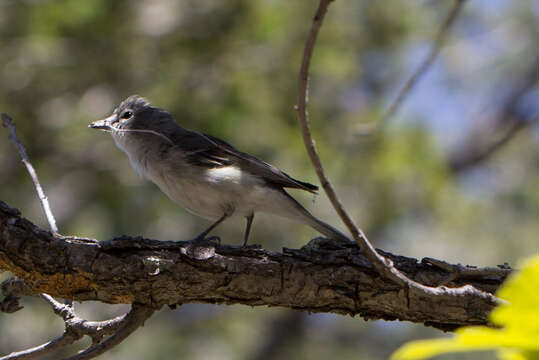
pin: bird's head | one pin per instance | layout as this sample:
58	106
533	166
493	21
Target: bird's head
136	116
134	112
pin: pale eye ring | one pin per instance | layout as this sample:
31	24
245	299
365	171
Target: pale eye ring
127	114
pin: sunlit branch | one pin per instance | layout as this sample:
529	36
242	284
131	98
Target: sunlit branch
8	123
383	265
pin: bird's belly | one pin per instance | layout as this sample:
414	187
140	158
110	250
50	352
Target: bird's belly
212	196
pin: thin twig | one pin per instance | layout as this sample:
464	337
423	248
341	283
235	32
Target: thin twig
509	121
8	123
378	261
62	310
120	327
441	36
35	352
67	338
134	319
75	328
383	265
475	157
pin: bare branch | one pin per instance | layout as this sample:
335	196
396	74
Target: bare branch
43	349
303	118
383	266
75	328
509	121
134	319
64	311
323	276
441	36
8	123
380	263
429	60
11	286
477	156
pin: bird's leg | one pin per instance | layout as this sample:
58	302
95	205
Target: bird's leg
202	236
248	228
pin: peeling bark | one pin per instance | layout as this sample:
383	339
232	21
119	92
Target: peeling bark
322	276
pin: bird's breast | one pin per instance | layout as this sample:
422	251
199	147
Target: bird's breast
139	152
206	192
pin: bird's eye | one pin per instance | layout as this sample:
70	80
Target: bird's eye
126	115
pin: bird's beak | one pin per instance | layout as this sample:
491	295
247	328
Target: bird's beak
105	124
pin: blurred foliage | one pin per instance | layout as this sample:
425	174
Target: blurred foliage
229	68
518	337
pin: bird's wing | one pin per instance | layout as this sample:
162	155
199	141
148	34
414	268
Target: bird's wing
211	152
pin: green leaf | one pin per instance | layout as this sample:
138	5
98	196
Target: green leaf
518	337
423	349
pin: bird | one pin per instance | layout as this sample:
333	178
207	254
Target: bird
204	174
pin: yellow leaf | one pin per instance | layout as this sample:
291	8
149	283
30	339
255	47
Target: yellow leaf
518	339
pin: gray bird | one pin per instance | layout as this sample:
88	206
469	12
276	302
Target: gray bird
202	173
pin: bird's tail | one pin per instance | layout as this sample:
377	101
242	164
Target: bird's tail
296	211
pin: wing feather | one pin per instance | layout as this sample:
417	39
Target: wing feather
211	152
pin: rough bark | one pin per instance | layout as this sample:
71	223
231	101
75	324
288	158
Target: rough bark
323	276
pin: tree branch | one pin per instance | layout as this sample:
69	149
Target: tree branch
426	64
131	322
75	327
441	36
323	276
383	266
48	347
504	126
303	117
8	123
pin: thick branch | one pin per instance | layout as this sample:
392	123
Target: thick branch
321	277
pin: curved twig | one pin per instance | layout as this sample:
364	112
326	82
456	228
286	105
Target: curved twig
441	36
383	265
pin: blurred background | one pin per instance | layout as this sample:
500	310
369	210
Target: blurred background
453	175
